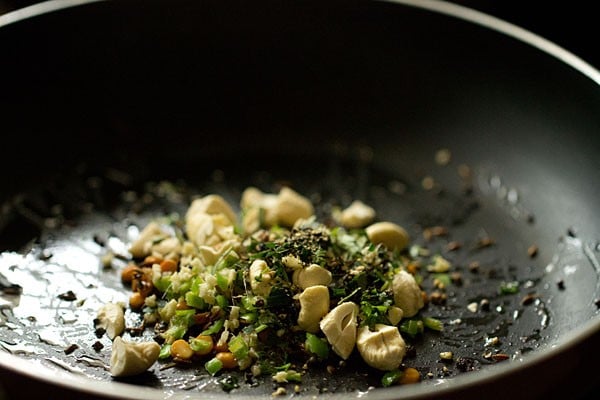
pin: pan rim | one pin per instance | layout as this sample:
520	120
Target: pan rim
114	389
439	6
444	387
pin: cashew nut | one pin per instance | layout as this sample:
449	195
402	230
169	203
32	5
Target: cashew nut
170	245
132	358
395	315
209	221
260	278
111	318
382	348
284	208
141	245
314	304
339	326
257	207
310	276
211	204
391	235
357	215
292	206
407	293
291	261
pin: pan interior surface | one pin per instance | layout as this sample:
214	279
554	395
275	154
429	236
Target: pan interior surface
340	102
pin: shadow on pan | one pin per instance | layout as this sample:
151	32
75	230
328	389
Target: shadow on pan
340	100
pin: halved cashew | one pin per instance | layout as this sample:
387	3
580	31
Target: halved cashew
199	227
339	326
253	197
357	215
314	304
260	278
211	204
407	293
391	235
293	262
111	317
284	208
141	245
383	348
395	315
209	220
291	206
310	276
132	358
170	245
257	207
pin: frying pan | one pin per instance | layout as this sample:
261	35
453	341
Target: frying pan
117	112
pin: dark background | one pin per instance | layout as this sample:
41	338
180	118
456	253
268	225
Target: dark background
572	25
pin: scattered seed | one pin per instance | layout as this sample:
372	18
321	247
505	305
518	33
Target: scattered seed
99	332
464	171
68	296
474	266
456	278
428	183
446	355
438	297
434	231
472	307
484	304
397	187
561	284
500	357
465	364
443	157
484	242
454	245
532	251
528	299
492	341
71	349
97	345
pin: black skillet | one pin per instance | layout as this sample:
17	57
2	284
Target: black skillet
116	112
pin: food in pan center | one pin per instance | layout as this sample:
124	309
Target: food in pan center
273	290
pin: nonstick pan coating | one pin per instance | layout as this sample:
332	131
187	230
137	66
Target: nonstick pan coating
108	101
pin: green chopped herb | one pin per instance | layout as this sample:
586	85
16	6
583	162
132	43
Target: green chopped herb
238	347
412	327
433	324
509	287
316	345
391	377
213	366
165	351
228	383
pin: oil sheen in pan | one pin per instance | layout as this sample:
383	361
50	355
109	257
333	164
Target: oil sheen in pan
498	306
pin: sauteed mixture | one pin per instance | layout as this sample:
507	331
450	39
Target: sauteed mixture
274	290
293	287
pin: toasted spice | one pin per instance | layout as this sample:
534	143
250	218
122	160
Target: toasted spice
532	251
453	246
